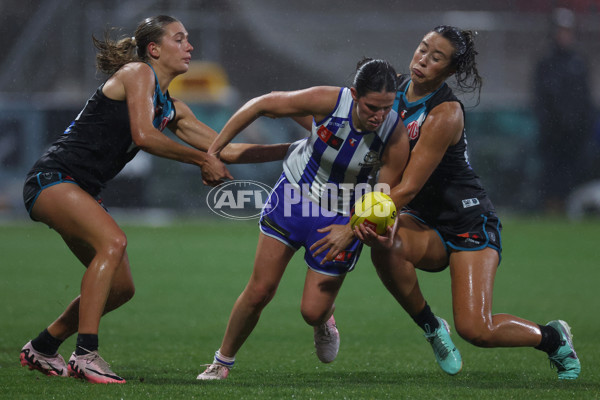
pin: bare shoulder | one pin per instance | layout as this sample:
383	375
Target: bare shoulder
446	119
448	110
135	71
136	75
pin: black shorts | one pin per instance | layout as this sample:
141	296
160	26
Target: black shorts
38	181
478	233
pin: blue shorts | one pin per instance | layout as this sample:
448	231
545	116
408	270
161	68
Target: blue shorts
294	220
38	181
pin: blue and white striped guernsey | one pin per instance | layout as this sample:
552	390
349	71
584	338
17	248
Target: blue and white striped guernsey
335	158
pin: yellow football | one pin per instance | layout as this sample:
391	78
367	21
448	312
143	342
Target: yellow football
374	209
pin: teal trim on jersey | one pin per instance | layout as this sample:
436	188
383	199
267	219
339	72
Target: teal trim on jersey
401	95
164	110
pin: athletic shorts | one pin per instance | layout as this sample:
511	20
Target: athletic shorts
476	234
295	223
38	181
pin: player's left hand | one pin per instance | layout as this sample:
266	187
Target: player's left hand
337	239
214	171
369	237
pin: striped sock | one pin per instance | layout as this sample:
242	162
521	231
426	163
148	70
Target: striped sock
224	360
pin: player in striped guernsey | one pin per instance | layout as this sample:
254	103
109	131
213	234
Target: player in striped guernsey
355	134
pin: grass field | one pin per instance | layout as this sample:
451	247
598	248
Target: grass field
188	276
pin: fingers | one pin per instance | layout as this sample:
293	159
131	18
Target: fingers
330	256
318	246
326	229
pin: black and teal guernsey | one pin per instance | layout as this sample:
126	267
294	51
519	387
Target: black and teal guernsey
453	194
98	143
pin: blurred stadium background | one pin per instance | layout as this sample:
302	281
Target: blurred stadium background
244	48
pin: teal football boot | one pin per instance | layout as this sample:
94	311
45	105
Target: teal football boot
564	358
446	353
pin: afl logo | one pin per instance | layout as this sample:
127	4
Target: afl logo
241	200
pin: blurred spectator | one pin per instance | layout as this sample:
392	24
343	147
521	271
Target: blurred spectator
563	107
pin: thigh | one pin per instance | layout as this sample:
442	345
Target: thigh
272	257
320	291
473	274
419	244
77	217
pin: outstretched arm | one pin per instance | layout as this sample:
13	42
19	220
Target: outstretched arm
135	84
246	153
197	134
316	101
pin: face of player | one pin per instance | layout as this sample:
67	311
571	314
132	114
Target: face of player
371	109
430	65
175	50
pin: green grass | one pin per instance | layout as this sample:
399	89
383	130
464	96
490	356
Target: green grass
189	275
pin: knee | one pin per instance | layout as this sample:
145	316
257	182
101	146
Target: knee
118	245
477	333
114	245
314	317
258	294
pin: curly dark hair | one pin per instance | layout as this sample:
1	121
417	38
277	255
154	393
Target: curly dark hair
463	59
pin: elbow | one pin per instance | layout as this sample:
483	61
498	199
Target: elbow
140	139
403	195
411	193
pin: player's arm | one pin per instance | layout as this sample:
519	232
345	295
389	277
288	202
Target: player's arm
137	81
442	128
316	101
395	159
305	122
199	135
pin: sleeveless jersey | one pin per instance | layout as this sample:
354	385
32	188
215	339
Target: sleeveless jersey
453	193
336	157
98	143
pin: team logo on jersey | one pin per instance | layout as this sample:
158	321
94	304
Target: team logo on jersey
328	137
413	130
164	123
353	142
371	159
403	114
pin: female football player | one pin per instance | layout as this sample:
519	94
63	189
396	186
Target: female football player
125	114
447	218
354	134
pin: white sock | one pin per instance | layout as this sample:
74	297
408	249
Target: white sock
224	360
